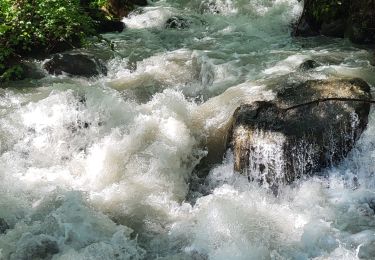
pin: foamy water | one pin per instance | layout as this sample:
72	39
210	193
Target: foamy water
104	168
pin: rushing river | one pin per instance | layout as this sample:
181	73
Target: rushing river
105	168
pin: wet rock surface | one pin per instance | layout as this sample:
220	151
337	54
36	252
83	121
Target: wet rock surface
120	8
308	65
306	28
177	22
104	26
335	28
3	226
351	19
273	144
367	250
75	64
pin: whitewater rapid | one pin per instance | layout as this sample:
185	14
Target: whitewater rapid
106	168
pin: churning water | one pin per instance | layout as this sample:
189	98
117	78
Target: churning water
104	168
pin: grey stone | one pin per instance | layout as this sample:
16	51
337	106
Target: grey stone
75	64
304	28
274	145
334	28
308	64
177	22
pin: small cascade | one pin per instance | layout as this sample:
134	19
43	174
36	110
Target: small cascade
265	159
275	144
270	159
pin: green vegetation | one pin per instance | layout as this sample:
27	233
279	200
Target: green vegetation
98	3
29	27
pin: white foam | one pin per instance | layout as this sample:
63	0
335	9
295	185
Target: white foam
101	174
151	17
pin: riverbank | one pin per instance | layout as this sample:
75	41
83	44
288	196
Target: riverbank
41	28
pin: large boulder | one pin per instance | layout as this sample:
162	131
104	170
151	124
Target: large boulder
74	64
308	65
361	22
347	18
278	142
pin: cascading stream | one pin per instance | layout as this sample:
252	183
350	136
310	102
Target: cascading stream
103	168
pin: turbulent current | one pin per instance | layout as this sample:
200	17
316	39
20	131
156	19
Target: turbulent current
106	168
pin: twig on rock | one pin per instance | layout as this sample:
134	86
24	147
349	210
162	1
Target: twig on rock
317	101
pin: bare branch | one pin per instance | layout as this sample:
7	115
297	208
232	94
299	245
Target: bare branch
317	101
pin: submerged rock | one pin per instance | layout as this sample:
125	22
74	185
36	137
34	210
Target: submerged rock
308	64
3	226
273	144
366	250
31	71
27	70
35	247
177	22
209	6
74	64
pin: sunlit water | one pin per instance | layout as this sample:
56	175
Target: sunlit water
104	168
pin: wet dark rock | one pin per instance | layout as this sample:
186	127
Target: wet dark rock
74	64
177	22
274	145
27	70
208	6
31	71
3	226
104	26
121	8
308	64
35	247
334	28
351	19
359	35
361	22
117	9
78	126
305	28
101	21
140	2
371	204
